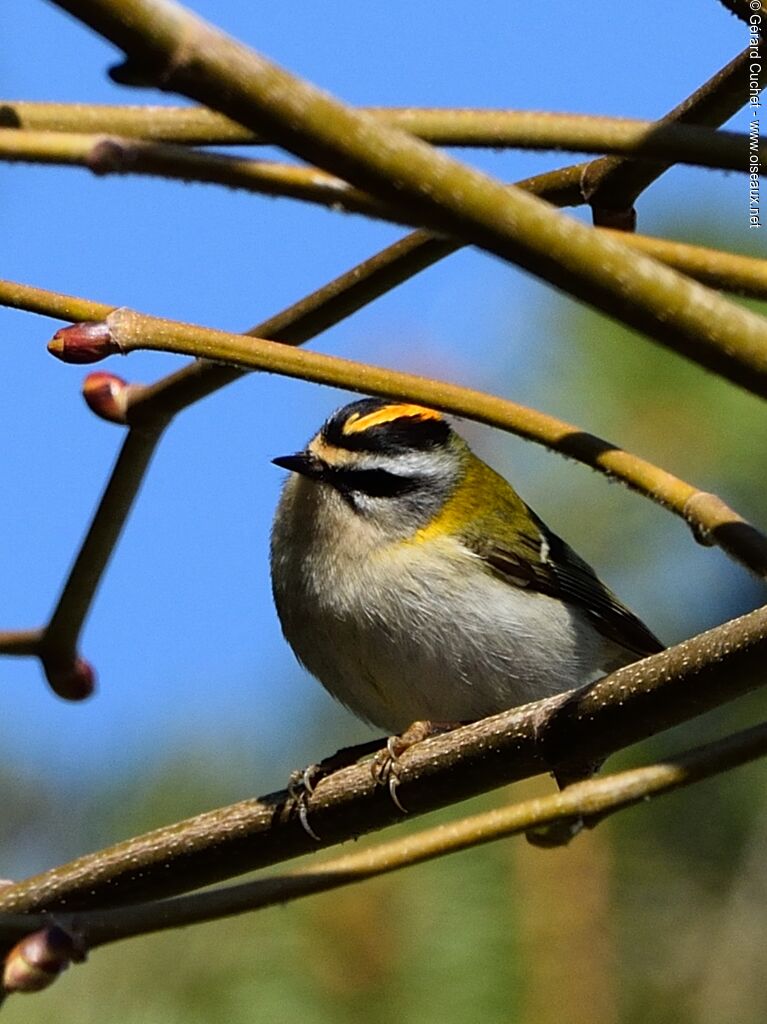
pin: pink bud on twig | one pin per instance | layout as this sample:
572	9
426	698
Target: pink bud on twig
87	342
36	961
106	394
75	680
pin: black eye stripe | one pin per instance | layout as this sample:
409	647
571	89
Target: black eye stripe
376	483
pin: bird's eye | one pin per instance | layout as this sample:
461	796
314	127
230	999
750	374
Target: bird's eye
376	483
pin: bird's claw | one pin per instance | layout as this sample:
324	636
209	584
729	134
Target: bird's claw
385	770
303	780
301	785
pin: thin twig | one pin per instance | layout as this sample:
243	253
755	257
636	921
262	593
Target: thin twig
21	642
112	155
459	127
125	331
728	271
576	133
58	647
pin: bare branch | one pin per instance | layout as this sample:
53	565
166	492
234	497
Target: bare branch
125	331
632	704
742	9
591	801
113	155
21	642
58	649
729	271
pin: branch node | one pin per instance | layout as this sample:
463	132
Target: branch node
618	220
134	72
108	156
158	70
702	506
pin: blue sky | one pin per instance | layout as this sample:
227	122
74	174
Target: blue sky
183	634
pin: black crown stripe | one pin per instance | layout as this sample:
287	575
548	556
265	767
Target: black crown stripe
404	433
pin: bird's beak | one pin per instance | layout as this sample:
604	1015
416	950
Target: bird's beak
302	462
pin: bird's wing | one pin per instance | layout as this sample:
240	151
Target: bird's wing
543	562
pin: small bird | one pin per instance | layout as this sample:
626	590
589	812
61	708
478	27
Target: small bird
416	585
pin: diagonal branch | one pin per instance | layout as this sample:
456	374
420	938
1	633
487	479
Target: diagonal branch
58	647
124	331
625	707
591	800
743	9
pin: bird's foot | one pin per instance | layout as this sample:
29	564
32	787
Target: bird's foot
303	781
384	766
300	787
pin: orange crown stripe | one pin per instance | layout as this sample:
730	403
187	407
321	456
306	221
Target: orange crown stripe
387	414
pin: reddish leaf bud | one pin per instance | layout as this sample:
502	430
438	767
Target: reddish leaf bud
36	961
87	342
73	681
106	394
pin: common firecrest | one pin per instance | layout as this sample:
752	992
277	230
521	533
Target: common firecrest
415	584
